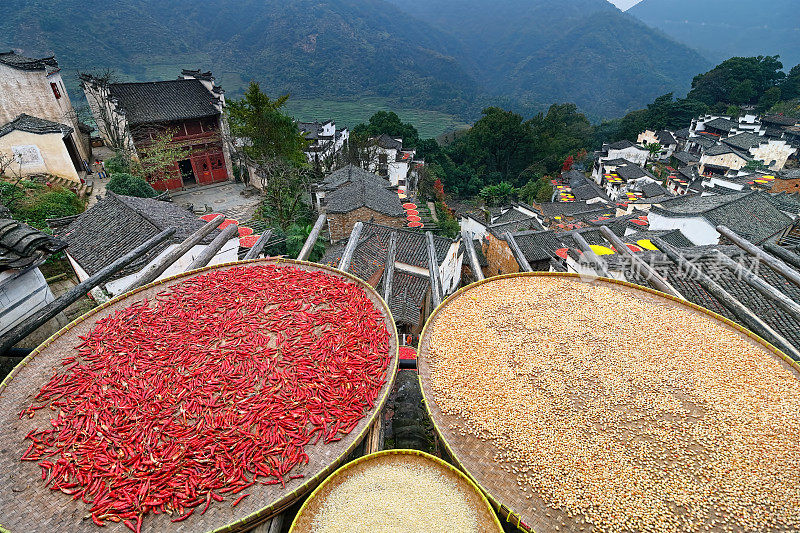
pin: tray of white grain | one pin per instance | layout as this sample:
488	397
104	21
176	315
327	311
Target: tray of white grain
396	491
597	405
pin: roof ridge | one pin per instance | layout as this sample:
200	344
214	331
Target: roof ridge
118	198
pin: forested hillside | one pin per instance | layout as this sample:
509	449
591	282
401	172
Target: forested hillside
450	56
724	28
582	51
331	49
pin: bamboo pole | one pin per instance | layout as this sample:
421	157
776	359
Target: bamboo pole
472	256
594	260
350	248
50	310
647	270
258	247
159	267
216	245
739	310
516	251
788	256
433	271
767	290
305	253
771	261
388	270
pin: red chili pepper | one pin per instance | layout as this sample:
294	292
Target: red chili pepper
214	382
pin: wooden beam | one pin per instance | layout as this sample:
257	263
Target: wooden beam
472	256
32	323
643	268
388	269
765	289
594	260
305	253
258	247
522	261
159	267
743	313
433	271
212	249
375	436
771	261
350	248
788	256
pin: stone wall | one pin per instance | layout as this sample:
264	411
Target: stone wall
499	256
791	185
341	224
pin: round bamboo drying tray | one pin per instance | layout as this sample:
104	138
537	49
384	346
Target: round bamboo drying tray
305	517
27	505
475	456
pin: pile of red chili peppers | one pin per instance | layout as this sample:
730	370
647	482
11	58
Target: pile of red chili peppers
217	384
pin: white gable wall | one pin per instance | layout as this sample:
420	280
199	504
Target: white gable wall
697	229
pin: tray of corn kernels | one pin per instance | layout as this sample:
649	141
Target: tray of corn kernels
603	406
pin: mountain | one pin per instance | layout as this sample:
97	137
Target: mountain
448	55
724	28
583	51
310	48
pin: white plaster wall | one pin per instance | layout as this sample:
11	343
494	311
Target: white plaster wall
450	269
21	297
722	183
777	151
731	161
632	154
55	159
473	227
696	229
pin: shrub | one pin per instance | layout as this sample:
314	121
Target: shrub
55	203
127	185
117	165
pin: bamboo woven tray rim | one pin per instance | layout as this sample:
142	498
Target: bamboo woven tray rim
21	486
464	449
311	507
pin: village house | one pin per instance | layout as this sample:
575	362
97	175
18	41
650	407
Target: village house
477	227
773	153
118	224
392	162
582	188
325	141
31	90
663	137
410	299
350	195
189	110
610	155
750	213
23	289
722	159
35	146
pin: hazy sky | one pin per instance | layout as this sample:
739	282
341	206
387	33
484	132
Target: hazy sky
624	4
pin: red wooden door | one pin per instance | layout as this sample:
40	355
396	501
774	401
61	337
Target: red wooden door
202	168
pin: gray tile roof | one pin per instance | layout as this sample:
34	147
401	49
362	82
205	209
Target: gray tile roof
682	133
704	258
666	138
409	291
623	144
352	188
721	149
20	62
164	101
722	124
673	237
631	172
705	141
583	188
35	125
788	203
748	213
510	215
652	189
388	142
744	141
118	224
685	157
781	120
523	224
550	209
539	245
22	246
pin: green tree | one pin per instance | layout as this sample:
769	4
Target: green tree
157	158
771	97
129	185
296	237
737	80
790	88
743	93
498	194
545	193
755	164
389	122
654	149
267	132
285	188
